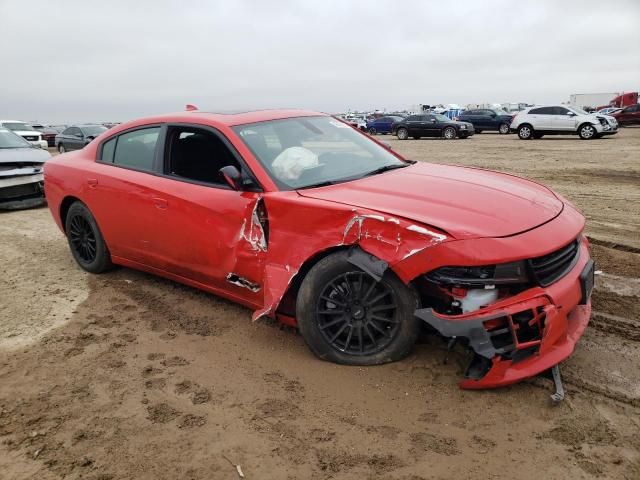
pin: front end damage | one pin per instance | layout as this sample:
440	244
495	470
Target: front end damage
518	321
21	185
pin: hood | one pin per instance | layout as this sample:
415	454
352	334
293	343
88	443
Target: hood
18	162
464	202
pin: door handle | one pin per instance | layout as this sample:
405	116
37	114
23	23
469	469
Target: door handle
93	182
160	203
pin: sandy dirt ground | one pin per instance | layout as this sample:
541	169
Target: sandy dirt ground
125	375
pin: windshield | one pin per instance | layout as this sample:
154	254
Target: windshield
18	126
579	111
11	140
93	130
311	151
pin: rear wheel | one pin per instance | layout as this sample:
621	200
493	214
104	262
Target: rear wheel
85	240
402	133
503	128
525	132
449	133
61	148
372	131
478	131
348	317
587	131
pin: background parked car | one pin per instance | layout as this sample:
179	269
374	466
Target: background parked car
609	110
628	116
21	179
382	124
487	119
431	125
77	136
562	120
26	131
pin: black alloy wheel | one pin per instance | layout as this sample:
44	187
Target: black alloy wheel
357	315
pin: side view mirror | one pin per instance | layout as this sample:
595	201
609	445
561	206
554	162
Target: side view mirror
232	176
571	114
433	120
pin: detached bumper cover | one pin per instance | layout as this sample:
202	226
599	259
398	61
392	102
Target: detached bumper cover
526	334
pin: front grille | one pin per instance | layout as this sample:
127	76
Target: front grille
555	265
31	138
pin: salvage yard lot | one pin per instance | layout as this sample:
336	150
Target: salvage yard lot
125	375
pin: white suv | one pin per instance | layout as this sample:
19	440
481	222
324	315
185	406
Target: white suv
537	121
26	131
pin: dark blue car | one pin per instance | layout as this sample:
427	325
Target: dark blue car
487	119
382	124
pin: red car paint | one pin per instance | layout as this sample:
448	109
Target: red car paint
416	219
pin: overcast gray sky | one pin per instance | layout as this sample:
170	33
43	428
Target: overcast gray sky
88	60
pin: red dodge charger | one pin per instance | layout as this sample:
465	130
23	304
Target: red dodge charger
300	217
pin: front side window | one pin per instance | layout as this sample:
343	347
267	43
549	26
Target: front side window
197	154
310	151
134	149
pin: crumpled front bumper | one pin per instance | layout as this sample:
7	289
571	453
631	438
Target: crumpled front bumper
541	326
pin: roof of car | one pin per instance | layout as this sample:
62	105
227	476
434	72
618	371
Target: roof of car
12	121
229	119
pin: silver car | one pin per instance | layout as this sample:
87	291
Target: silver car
21	172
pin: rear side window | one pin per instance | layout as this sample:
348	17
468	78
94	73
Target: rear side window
108	149
471	112
542	111
134	149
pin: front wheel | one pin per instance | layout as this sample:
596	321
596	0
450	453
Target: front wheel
503	129
372	131
61	148
402	133
346	316
85	240
587	132
449	133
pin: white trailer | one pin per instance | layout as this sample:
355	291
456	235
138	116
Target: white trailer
583	100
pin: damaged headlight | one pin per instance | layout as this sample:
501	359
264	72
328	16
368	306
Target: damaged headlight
470	277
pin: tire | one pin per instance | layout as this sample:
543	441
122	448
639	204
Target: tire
503	129
449	133
85	240
372	131
61	148
525	132
587	131
402	133
478	131
353	334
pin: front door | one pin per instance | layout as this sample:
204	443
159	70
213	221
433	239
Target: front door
202	229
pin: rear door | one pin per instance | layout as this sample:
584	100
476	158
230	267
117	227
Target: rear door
485	119
120	192
414	124
541	118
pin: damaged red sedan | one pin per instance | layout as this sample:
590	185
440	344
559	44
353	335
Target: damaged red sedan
300	217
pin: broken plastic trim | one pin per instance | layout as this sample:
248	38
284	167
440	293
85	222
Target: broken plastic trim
242	282
368	263
472	329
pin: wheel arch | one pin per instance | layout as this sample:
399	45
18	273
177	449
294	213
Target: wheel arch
64	209
287	303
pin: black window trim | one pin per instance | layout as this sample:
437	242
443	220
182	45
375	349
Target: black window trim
116	136
159	160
